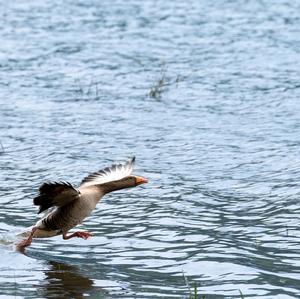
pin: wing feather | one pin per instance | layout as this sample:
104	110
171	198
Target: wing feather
55	194
109	174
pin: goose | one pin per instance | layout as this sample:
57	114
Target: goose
67	206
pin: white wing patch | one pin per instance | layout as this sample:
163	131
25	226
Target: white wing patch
109	174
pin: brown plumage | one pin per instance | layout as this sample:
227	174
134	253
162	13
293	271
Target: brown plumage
70	206
55	194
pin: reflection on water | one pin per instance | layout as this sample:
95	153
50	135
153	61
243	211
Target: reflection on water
220	146
34	276
65	281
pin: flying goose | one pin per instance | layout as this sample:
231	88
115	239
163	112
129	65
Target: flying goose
70	205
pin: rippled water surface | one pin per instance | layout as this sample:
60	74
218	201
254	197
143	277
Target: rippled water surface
205	94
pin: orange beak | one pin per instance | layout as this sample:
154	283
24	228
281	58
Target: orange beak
139	180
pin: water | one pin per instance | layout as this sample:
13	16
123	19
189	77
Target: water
219	144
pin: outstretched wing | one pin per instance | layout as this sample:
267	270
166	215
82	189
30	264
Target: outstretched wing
109	174
55	194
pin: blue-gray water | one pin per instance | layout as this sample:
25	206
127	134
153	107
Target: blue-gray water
220	145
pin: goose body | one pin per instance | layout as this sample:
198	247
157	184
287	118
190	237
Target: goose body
62	219
67	206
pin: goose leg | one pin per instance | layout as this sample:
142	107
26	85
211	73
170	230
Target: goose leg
26	242
83	235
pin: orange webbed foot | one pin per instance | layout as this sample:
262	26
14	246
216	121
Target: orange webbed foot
26	242
83	235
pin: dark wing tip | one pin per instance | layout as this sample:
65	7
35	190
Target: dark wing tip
38	200
50	195
41	209
132	160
